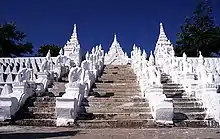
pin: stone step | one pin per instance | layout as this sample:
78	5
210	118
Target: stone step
46	99
118	66
115	85
41	110
118	96
113	74
197	123
174	94
166	81
172	85
45	115
117	109
114	90
116	104
173	88
185	100
44	104
38	115
172	91
115	81
36	122
187	104
189	116
117	72
114	94
196	115
123	76
5	123
125	99
114	116
188	109
119	69
122	123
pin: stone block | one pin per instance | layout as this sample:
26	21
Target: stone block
66	111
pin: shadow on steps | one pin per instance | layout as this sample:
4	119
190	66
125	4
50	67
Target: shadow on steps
178	95
38	135
24	109
82	114
97	94
63	80
179	117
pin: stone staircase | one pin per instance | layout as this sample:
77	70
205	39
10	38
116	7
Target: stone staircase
115	102
39	110
188	111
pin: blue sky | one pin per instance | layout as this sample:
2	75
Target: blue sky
134	21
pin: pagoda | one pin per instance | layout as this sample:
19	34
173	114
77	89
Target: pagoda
72	48
163	48
116	55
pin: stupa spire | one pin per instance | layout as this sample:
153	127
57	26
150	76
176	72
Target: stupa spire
162	35
161	29
74	35
61	51
151	58
115	38
48	56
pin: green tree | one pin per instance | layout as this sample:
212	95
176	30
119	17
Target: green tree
54	50
12	41
199	33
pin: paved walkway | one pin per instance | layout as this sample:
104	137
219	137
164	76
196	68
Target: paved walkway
14	132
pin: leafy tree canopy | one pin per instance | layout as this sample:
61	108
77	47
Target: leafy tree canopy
12	41
54	50
199	33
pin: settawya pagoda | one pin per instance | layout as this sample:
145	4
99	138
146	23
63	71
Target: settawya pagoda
110	89
115	55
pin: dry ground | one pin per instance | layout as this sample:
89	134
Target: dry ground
15	132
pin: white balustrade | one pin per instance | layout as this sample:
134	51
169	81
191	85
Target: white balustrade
80	82
199	76
148	76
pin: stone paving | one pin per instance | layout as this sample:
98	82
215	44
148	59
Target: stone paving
11	132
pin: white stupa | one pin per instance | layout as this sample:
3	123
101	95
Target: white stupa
163	48
72	48
116	55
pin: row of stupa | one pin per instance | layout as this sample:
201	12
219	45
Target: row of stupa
116	55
